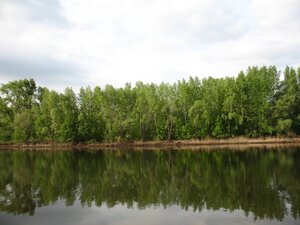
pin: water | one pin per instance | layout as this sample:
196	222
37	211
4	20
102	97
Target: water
256	186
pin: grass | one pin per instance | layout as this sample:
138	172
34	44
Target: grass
175	144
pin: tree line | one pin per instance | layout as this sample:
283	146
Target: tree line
255	103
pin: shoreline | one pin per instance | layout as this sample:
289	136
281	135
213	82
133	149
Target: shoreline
175	144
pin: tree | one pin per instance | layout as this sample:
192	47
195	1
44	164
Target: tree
145	112
19	94
48	117
255	103
6	122
167	98
287	105
187	93
19	97
69	125
23	126
255	91
91	124
117	107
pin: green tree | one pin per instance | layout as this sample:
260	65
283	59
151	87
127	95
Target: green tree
44	114
69	126
117	107
167	101
6	122
91	124
23	126
255	92
287	105
255	103
19	96
187	93
145	112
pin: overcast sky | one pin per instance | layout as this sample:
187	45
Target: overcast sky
77	43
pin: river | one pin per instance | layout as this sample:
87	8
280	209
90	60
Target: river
204	187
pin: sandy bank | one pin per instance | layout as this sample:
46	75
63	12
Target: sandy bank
208	143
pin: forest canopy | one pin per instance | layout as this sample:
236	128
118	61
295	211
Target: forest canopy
255	103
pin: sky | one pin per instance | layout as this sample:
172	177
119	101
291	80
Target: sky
79	43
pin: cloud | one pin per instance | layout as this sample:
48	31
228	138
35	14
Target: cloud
46	71
276	14
216	21
29	45
53	69
44	12
123	41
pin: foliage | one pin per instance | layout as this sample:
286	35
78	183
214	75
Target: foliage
255	103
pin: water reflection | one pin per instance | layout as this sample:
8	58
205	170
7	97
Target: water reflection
264	184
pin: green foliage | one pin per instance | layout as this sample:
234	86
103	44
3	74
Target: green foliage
287	108
6	121
19	94
91	124
144	116
284	126
255	93
23	126
255	103
18	98
70	114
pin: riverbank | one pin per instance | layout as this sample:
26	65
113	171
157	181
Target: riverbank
241	141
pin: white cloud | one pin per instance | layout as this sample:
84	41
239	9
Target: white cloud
99	42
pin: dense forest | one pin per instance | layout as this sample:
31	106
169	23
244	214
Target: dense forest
215	180
255	103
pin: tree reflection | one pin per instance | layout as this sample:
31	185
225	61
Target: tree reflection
262	182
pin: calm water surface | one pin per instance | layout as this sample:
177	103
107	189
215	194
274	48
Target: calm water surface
150	187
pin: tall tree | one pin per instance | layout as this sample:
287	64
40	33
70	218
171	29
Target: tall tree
91	124
6	122
19	96
287	104
167	99
69	125
187	93
255	91
255	103
145	111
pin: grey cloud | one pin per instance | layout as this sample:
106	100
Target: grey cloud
43	68
203	28
47	12
284	56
